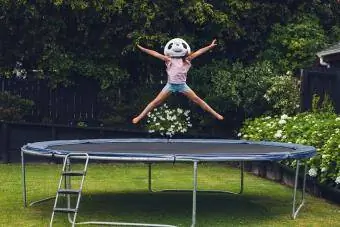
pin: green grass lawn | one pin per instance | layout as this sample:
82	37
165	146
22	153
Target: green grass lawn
118	192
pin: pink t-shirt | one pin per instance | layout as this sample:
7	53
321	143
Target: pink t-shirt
177	70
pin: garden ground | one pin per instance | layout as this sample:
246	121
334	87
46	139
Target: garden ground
118	192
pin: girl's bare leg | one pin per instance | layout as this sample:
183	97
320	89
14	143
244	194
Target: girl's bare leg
157	101
193	97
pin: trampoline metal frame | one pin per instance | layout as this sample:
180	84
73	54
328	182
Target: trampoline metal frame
296	207
187	190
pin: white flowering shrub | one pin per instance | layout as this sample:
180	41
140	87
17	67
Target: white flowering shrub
321	130
167	121
284	94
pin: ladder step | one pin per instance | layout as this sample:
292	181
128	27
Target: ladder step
65	210
68	191
73	173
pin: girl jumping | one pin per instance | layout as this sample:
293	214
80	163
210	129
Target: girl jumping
177	58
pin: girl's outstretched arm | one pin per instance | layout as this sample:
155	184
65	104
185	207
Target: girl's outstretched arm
202	50
154	53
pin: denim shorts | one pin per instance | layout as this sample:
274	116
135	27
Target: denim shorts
176	87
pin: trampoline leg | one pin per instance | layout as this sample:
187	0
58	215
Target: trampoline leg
23	178
295	210
149	176
242	177
194	195
24	186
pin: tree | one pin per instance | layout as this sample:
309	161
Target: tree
293	46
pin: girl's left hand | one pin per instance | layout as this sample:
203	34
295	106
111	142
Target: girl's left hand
213	43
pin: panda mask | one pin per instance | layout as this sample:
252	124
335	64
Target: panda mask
177	47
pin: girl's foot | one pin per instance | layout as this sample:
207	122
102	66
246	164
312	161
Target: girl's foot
136	120
219	117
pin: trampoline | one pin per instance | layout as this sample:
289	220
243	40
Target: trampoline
176	150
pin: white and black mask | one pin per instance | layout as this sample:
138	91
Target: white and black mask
177	47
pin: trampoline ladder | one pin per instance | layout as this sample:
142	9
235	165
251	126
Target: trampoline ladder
68	191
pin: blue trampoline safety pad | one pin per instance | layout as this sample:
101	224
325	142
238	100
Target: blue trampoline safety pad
172	150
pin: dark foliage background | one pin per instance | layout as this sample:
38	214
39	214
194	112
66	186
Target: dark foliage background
61	41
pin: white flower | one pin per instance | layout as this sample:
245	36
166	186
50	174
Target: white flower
323	169
325	156
284	116
337	119
168	133
312	172
282	122
266	97
239	134
268	117
278	134
337	180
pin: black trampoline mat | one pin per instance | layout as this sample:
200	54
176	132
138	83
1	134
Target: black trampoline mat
172	148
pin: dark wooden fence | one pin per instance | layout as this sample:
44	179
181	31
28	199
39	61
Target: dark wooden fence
13	135
321	82
62	104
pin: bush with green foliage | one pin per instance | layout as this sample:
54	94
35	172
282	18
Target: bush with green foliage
244	85
242	91
13	107
322	104
237	85
318	129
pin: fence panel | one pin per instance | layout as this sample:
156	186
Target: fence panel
59	105
320	82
